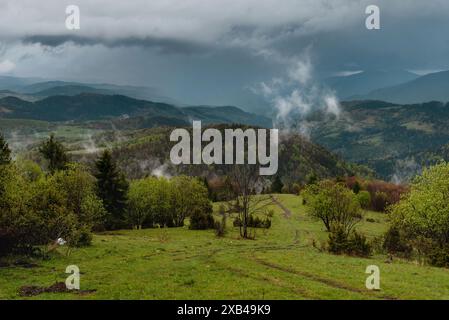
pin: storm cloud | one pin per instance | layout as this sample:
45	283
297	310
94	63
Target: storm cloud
211	51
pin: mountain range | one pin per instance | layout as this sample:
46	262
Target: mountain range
36	88
385	136
401	87
124	111
346	87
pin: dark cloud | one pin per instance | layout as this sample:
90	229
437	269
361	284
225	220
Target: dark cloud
211	51
166	46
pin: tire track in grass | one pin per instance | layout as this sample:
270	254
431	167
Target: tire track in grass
273	281
285	210
326	281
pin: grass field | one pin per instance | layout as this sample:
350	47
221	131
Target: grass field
180	263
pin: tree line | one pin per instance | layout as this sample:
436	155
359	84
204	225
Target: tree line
70	200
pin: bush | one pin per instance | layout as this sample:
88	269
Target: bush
333	204
254	222
364	199
358	245
380	201
338	241
387	193
166	202
394	244
439	256
83	237
421	218
33	213
200	220
355	244
277	185
188	195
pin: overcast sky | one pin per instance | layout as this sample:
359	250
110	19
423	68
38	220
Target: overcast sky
215	52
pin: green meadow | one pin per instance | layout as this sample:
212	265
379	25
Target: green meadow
283	262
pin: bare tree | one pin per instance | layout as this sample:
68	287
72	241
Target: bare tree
247	200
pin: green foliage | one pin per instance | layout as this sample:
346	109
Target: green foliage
364	199
277	185
112	188
55	153
254	222
32	213
354	244
356	188
18	221
188	196
311	178
394	243
422	216
200	220
29	169
333	204
5	152
168	202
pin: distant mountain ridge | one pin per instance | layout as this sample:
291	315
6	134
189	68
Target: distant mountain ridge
385	136
366	81
122	110
430	87
36	88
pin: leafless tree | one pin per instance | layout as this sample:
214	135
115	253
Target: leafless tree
247	200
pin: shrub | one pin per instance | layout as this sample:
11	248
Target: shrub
33	213
333	204
358	245
254	222
393	243
387	193
200	220
439	256
277	185
355	244
83	237
188	196
167	202
364	199
380	201
338	241
422	216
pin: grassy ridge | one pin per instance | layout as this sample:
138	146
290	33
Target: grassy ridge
184	264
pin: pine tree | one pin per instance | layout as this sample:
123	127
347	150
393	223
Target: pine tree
277	185
112	189
55	153
5	152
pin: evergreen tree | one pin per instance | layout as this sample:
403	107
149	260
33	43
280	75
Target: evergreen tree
5	152
112	189
356	188
55	153
277	185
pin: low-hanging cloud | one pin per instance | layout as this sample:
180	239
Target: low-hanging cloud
297	95
6	66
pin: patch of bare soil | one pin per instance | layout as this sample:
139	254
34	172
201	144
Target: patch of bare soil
58	287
